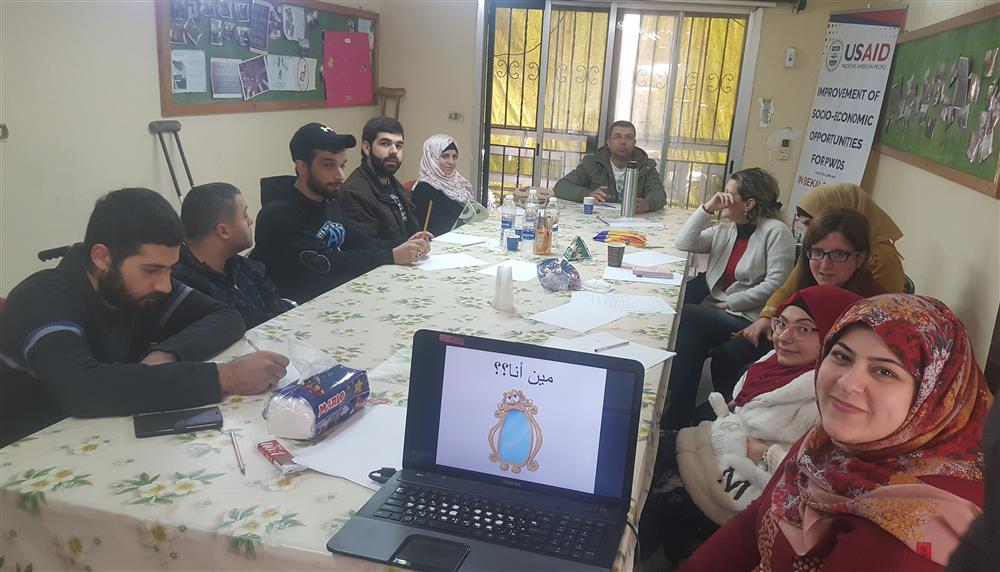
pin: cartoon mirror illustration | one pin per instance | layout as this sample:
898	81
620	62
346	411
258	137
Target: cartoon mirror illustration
516	438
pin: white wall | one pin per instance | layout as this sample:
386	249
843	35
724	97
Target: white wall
428	48
78	87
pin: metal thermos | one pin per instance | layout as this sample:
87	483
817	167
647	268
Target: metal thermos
628	193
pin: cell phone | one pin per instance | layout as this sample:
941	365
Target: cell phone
182	421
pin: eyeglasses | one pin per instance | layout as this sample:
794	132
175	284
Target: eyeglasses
834	255
798	331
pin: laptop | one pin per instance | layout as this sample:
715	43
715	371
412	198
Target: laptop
515	457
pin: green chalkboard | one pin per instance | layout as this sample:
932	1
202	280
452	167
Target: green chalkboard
933	110
219	29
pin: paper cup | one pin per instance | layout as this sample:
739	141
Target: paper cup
588	205
616	252
514	243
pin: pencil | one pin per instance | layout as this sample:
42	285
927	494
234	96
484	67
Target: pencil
236	449
427	219
253	345
611	347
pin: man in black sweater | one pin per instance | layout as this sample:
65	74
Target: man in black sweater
304	237
108	332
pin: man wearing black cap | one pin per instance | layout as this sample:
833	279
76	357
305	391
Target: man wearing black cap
303	236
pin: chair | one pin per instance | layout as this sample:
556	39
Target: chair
384	94
909	287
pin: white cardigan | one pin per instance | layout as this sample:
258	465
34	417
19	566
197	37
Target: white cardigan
712	457
764	266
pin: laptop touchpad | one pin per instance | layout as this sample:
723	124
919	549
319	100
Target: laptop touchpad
432	554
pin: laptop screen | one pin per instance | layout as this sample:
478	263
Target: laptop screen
518	413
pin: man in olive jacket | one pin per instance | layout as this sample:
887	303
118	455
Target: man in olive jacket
602	175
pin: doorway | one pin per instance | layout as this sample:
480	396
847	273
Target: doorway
558	73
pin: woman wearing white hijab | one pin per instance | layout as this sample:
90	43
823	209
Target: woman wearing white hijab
440	181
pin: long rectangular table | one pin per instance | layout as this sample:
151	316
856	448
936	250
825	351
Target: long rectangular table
85	493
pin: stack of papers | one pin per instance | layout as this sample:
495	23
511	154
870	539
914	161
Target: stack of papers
633	222
579	317
645	355
521	270
627	302
625	274
460	239
372	438
448	261
651	258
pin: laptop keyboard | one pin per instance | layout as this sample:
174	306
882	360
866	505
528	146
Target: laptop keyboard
511	525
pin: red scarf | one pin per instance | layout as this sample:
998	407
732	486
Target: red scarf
824	304
880	480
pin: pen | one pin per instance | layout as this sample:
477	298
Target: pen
611	347
253	345
239	457
604	221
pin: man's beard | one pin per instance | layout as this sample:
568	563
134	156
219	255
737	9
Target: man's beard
326	191
111	288
381	169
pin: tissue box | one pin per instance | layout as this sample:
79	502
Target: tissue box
309	407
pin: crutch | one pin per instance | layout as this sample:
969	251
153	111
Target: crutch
170	126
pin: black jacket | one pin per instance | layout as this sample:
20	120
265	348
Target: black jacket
68	354
244	285
378	211
309	247
444	213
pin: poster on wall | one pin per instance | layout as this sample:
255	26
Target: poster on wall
347	68
848	98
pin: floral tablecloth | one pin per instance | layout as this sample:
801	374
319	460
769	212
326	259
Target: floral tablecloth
86	494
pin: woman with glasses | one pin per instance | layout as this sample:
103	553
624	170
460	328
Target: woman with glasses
834	252
704	475
891	475
750	253
884	261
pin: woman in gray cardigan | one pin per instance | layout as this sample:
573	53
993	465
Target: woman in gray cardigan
751	251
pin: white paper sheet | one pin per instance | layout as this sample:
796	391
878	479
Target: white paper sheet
291	73
522	271
372	438
651	258
579	317
293	22
633	222
187	71
225	74
627	302
626	275
460	239
645	355
448	261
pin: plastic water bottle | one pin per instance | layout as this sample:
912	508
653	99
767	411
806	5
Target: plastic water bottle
543	232
530	218
552	211
508	212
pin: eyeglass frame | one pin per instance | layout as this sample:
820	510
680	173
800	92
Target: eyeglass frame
780	325
824	254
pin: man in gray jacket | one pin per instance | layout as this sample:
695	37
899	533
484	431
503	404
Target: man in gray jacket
602	175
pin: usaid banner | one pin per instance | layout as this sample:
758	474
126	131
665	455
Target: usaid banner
848	98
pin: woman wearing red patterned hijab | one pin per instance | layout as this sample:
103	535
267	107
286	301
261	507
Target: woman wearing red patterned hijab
892	474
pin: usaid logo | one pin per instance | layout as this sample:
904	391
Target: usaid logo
834	55
855	54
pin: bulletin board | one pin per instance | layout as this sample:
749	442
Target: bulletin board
942	102
225	56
